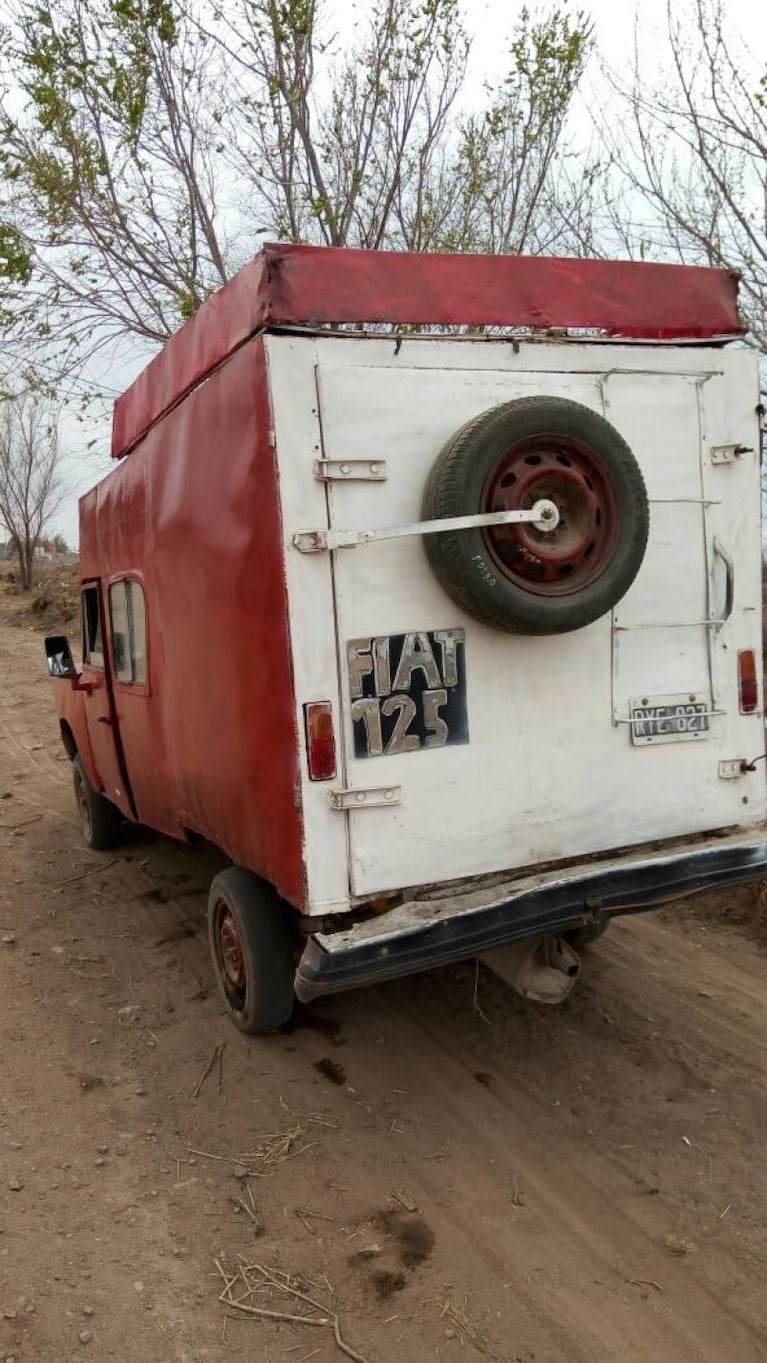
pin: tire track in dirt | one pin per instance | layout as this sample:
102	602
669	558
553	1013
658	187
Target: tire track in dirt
31	761
579	1238
549	1154
710	1003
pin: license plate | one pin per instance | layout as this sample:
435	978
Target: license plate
408	692
669	719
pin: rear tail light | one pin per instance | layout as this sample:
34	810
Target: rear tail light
320	740
748	687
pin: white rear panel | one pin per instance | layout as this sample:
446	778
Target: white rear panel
549	770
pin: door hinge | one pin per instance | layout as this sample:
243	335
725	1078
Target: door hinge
350	470
365	799
732	768
728	454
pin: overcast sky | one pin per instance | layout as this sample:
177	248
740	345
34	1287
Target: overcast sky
490	22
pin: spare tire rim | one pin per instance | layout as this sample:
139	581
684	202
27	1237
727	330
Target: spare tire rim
564	560
230	957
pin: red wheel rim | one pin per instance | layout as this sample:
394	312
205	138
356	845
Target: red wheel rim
81	795
552	562
230	957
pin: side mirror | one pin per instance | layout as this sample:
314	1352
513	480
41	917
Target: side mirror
59	655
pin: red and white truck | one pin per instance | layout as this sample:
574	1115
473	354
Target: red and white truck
428	589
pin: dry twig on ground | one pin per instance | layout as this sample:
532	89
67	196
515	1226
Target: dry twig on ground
91	871
252	1285
216	1056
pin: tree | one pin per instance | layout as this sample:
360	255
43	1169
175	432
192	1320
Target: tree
30	485
696	154
149	145
329	141
367	147
109	154
513	185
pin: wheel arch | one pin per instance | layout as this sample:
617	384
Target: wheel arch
68	739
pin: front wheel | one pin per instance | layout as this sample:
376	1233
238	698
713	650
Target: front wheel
99	819
250	942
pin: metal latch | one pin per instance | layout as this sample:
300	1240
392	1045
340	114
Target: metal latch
365	799
732	768
350	470
727	454
543	515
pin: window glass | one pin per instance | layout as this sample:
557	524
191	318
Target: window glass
93	648
118	609
128	614
137	611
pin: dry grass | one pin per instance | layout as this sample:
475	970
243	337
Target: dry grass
465	1326
272	1151
54	602
55	599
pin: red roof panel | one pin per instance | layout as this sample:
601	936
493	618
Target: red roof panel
316	285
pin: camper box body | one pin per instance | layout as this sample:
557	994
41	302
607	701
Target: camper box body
305	694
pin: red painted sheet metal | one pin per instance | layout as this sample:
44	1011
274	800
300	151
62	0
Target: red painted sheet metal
227	319
317	285
627	298
212	745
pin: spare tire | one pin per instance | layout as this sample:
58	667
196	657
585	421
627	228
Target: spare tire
518	577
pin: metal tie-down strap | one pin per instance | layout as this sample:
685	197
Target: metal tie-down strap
544	515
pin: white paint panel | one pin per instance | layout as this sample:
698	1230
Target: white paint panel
547	772
728	410
661	642
399	414
310	603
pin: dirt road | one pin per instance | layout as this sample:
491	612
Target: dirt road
581	1185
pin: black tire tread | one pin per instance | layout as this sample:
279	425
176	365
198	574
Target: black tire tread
105	818
262	920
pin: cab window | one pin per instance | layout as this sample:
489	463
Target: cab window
127	612
93	647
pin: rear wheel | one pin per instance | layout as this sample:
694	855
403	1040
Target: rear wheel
99	819
250	942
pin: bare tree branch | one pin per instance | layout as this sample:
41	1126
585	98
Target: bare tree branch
30	484
696	159
148	145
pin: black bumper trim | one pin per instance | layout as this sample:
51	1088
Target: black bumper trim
634	887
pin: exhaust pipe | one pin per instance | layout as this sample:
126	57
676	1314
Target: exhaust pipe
542	969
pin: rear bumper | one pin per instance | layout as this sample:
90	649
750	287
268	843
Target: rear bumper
423	933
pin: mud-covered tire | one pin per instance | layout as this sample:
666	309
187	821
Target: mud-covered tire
517	577
99	819
251	948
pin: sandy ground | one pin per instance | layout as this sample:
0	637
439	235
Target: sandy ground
579	1185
